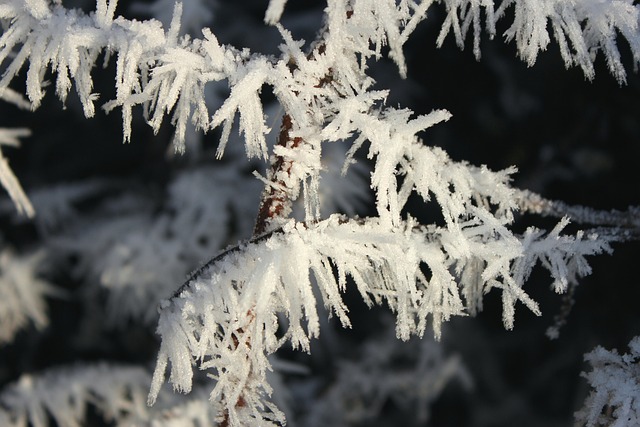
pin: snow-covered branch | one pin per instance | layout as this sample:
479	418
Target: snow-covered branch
7	177
582	28
64	395
22	293
615	379
229	314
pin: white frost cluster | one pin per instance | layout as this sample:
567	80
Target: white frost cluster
63	395
615	379
22	293
409	374
137	252
582	28
7	178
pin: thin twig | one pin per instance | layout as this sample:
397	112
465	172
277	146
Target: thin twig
277	199
529	201
199	272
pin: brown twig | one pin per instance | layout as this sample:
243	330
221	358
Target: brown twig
276	199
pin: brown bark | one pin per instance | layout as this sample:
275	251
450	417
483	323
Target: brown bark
276	200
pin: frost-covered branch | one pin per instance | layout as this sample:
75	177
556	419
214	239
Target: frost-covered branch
614	225
166	73
64	395
582	29
22	293
154	67
615	379
69	396
226	320
7	178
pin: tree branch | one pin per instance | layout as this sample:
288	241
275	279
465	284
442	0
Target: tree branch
277	199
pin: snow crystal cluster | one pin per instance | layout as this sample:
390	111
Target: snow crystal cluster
615	379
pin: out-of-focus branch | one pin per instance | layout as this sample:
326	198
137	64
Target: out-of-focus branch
613	225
